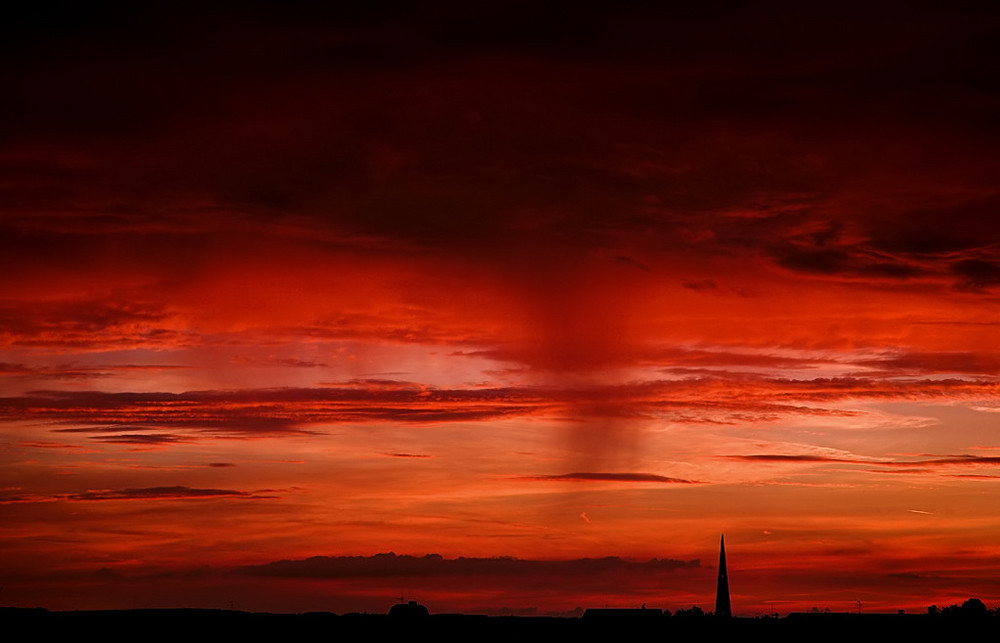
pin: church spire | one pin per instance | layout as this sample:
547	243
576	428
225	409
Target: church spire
722	606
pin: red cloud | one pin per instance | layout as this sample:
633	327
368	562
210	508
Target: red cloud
159	493
270	411
610	477
393	566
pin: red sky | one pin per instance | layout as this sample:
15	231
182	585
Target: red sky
540	300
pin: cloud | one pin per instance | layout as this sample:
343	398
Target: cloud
139	438
287	362
977	274
688	357
957	460
391	565
85	324
915	362
78	372
791	458
159	493
52	373
268	411
42	444
846	261
149	493
918	231
26	498
906	242
901	466
633	263
296	410
701	285
610	477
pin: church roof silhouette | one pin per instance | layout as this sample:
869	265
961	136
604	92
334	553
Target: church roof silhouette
723	607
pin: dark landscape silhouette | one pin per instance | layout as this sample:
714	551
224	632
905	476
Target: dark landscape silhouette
971	619
410	620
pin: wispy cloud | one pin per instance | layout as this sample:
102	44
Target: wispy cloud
711	400
176	492
159	493
148	439
912	465
79	371
609	477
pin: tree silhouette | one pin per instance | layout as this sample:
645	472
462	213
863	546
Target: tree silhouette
974	607
694	612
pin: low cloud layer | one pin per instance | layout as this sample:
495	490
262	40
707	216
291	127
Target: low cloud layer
390	565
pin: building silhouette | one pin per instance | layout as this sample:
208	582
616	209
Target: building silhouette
722	606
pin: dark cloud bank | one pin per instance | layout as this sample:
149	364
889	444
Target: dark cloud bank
392	565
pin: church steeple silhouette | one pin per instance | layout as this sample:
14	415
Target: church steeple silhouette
722	606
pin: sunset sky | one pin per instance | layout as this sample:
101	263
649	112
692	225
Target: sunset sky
540	300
